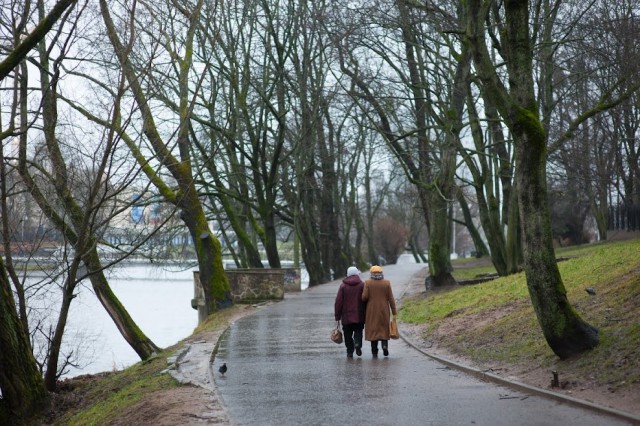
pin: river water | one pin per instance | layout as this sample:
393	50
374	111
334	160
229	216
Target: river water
158	298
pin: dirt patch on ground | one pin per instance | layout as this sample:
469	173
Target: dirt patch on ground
456	324
186	405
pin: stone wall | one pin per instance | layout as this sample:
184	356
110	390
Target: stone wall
256	285
251	285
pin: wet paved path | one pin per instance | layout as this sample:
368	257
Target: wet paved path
284	370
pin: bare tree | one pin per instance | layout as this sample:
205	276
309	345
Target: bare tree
390	238
417	114
490	166
566	333
173	155
601	69
25	44
79	215
21	385
242	138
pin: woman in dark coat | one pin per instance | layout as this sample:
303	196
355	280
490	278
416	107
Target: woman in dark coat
349	309
378	296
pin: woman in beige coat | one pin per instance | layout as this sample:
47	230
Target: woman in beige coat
378	296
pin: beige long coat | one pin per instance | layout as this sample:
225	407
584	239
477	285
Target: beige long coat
379	299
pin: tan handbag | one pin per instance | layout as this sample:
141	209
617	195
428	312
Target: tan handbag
336	334
393	329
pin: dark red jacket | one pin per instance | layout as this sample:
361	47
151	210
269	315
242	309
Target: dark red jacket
349	307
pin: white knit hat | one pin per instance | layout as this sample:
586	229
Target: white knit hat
352	271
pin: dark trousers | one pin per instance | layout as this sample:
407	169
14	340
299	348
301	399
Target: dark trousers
352	336
374	345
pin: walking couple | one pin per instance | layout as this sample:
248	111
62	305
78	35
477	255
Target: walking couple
367	303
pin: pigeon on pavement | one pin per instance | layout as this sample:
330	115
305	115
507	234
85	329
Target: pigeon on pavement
223	368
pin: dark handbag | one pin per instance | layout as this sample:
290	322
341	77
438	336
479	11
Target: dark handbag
336	334
393	329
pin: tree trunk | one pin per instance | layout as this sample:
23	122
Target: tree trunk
208	253
21	385
478	243
310	252
80	232
435	203
491	215
207	247
601	214
360	233
138	341
271	239
439	236
331	240
250	255
514	237
53	356
369	213
306	210
566	333
492	225
440	224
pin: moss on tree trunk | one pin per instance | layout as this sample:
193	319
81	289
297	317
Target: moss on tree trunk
566	333
23	391
209	254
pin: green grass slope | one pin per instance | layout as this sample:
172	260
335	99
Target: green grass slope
494	322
